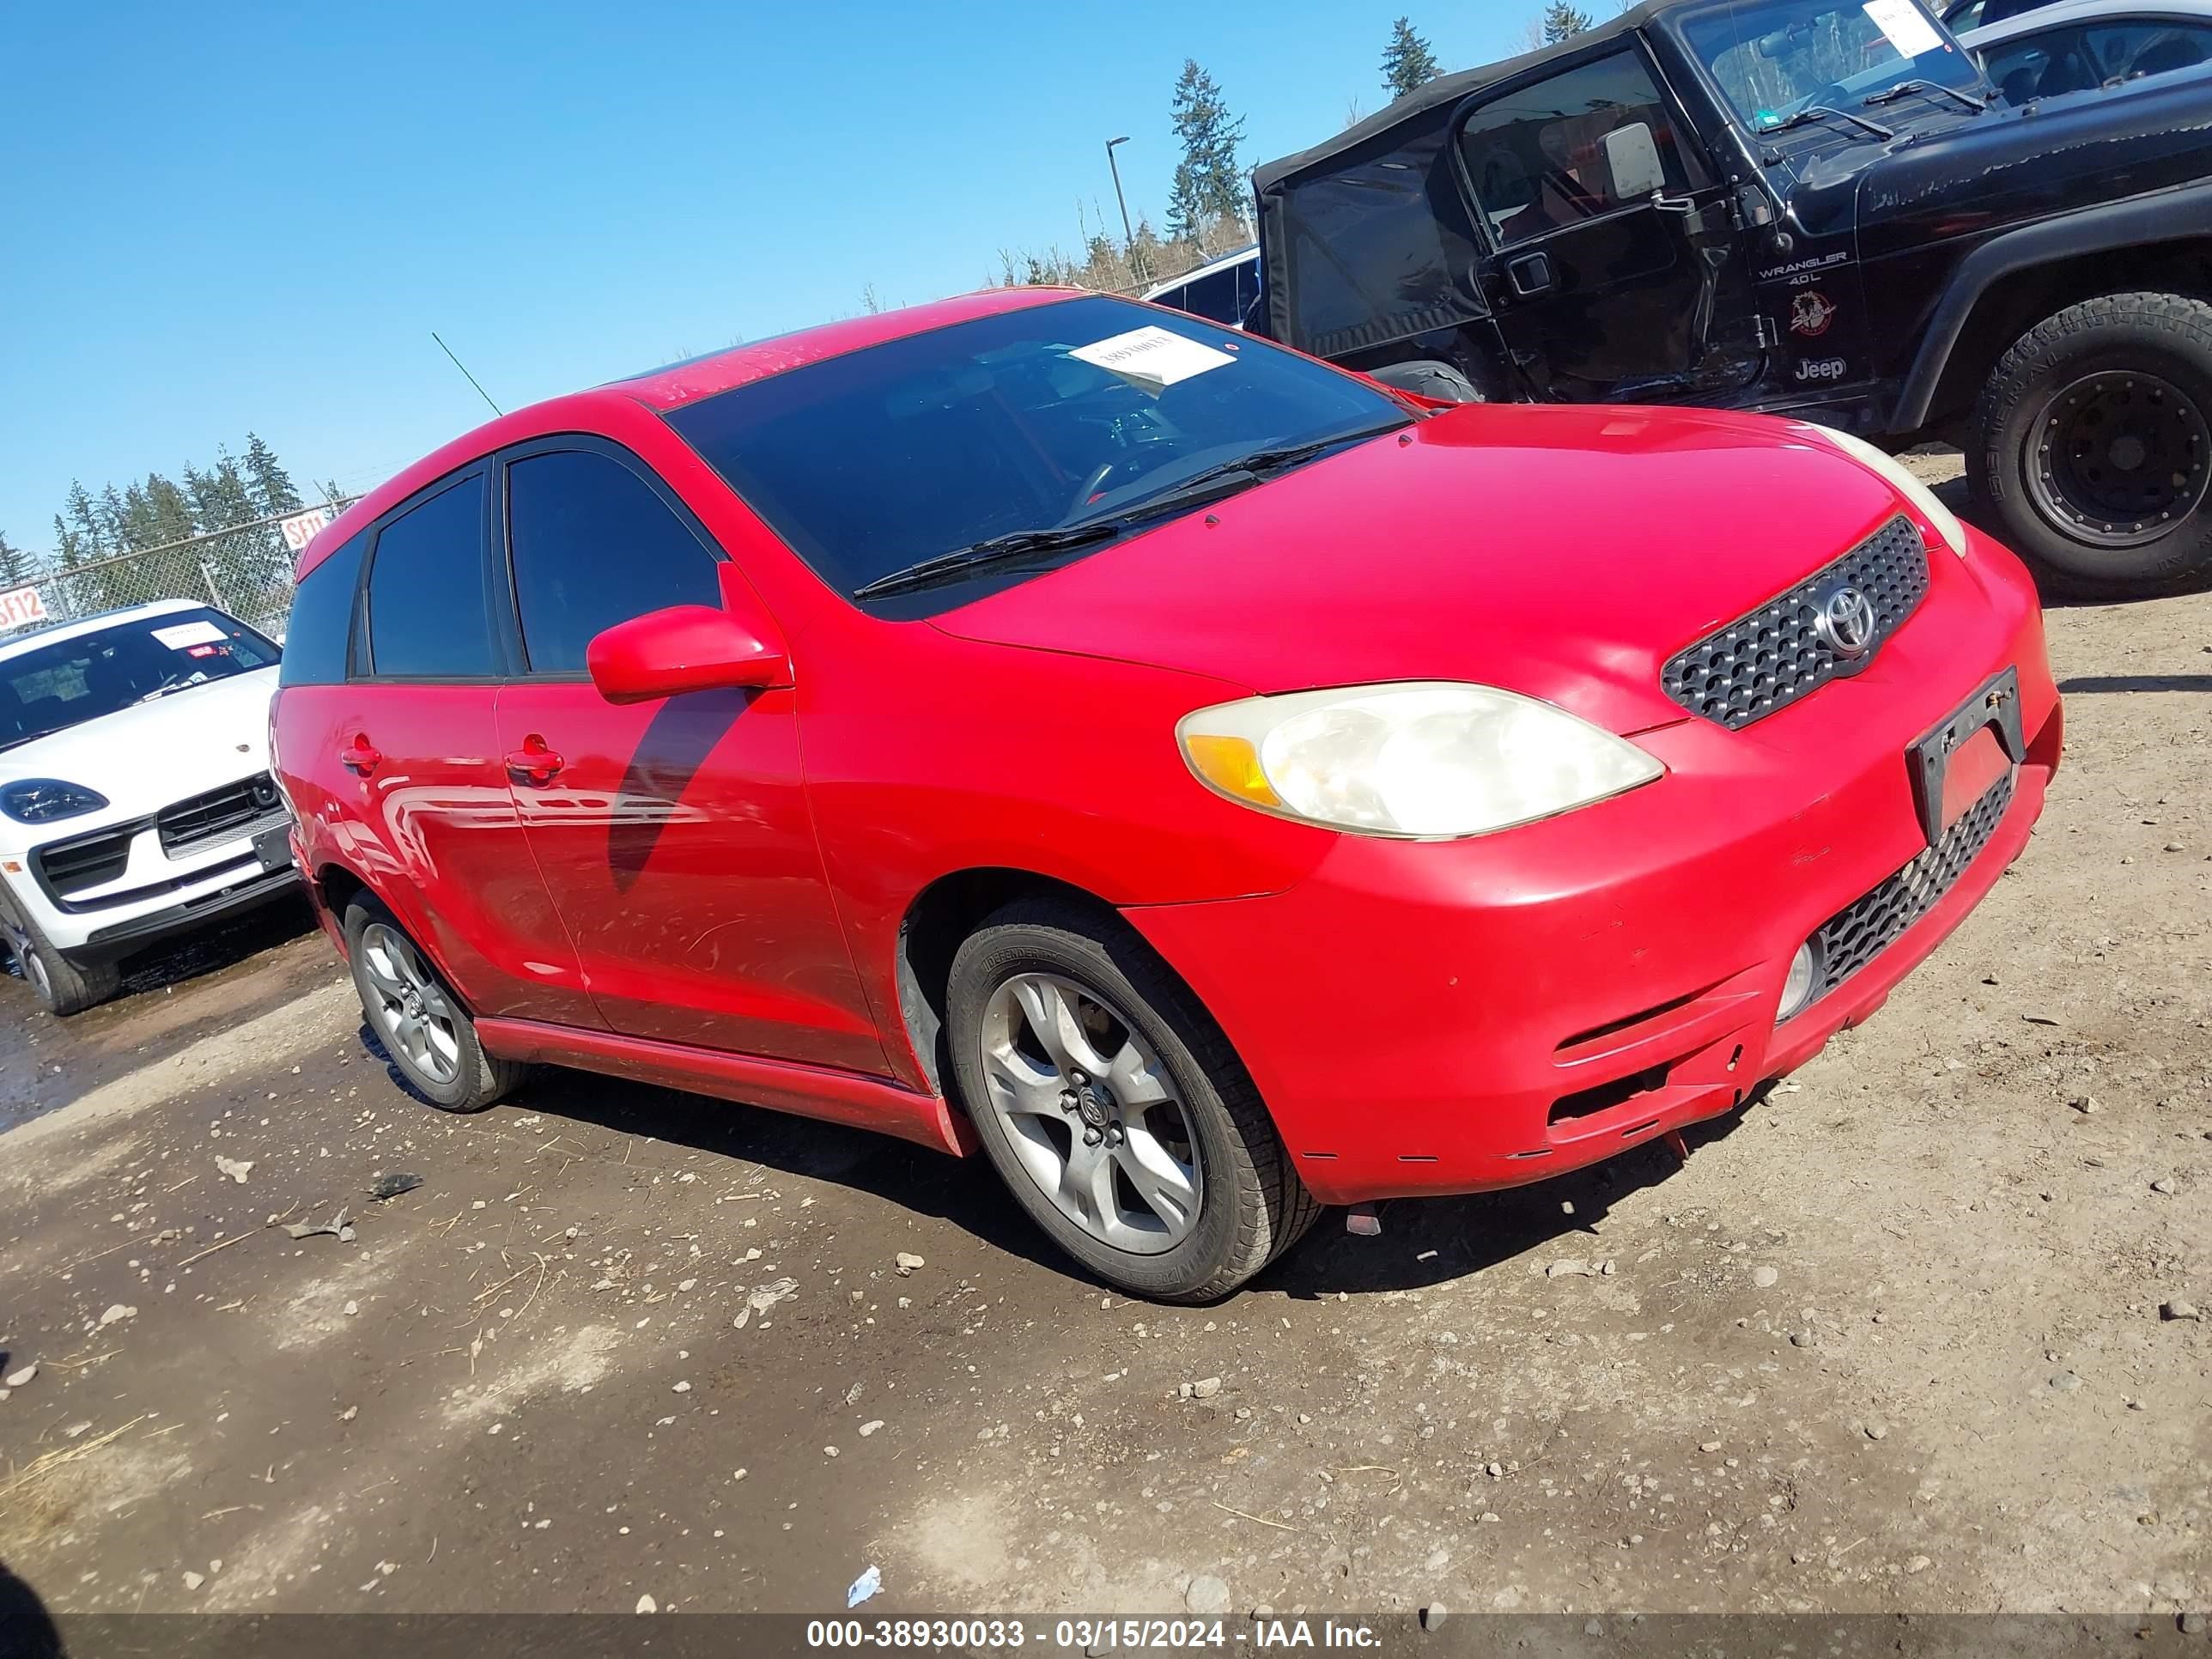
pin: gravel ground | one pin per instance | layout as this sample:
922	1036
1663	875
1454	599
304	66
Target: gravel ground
1916	1333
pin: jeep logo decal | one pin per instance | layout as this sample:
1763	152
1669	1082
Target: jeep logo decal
1818	368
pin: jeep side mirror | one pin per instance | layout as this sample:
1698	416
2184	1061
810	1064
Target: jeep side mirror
1631	156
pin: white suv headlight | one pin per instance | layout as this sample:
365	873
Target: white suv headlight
1899	478
1417	759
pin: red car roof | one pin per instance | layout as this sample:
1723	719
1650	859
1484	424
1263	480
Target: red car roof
670	387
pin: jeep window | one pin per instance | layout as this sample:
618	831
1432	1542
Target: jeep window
1577	146
1774	58
50	688
869	463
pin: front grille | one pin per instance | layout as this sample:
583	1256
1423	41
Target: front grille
65	867
1861	930
217	814
1773	656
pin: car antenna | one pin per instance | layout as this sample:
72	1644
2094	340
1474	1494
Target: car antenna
465	375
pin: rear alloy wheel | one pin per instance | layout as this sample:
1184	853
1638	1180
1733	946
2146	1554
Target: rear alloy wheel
418	1021
2093	445
1114	1110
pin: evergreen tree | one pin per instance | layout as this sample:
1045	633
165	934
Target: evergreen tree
1407	61
1563	22
15	567
332	496
271	485
1208	185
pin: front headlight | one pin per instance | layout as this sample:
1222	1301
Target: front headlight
42	800
1418	759
1900	478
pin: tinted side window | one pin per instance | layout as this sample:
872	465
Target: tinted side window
594	545
426	590
2157	46
1584	143
322	619
1213	297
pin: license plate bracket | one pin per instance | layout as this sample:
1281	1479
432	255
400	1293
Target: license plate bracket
1995	707
273	846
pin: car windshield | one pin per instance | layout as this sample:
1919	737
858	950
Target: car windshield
1779	58
1030	421
50	688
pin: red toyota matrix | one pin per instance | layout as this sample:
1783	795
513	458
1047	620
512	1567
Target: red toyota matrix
1210	784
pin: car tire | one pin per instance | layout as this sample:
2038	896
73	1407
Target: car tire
1427	378
1173	1089
418	1020
2093	446
63	985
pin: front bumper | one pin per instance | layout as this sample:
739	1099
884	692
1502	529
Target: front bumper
1458	1016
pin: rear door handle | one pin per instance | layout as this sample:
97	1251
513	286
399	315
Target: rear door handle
360	756
534	762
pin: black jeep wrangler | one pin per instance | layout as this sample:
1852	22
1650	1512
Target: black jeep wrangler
1810	208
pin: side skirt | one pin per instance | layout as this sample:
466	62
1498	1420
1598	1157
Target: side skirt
807	1091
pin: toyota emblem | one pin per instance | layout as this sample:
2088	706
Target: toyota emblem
1844	619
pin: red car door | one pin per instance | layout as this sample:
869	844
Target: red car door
674	834
410	746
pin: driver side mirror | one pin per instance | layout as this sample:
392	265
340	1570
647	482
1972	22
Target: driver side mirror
1631	156
685	647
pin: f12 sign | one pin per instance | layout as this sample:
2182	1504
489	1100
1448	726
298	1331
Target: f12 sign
303	527
19	606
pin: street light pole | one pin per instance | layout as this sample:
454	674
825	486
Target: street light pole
1128	236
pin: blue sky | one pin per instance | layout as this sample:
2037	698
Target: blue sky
239	217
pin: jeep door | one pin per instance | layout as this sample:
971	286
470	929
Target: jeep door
1613	263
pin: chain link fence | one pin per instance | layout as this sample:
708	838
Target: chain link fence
245	570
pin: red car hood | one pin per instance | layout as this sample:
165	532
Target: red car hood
1565	553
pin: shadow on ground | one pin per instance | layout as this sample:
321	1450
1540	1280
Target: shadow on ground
1424	1241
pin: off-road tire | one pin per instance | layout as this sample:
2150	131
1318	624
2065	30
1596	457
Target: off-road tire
480	1079
2167	335
1252	1205
64	987
1428	378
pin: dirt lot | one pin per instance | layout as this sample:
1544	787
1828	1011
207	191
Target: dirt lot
1893	1340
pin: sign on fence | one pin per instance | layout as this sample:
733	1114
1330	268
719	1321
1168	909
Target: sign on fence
303	527
19	606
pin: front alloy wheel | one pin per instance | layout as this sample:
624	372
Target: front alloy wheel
1113	1107
1091	1113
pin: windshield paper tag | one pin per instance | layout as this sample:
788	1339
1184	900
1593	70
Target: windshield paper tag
1904	26
1151	359
191	632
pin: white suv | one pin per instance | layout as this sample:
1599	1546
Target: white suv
135	795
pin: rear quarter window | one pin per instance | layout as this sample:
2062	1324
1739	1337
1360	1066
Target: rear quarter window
321	625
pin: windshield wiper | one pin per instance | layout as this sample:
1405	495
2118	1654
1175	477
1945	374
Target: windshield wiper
1812	112
1905	87
998	549
1257	465
1209	484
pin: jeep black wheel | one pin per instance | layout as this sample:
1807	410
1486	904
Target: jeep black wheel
2093	445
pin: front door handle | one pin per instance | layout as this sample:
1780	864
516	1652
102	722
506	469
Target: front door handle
534	762
1529	275
360	756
